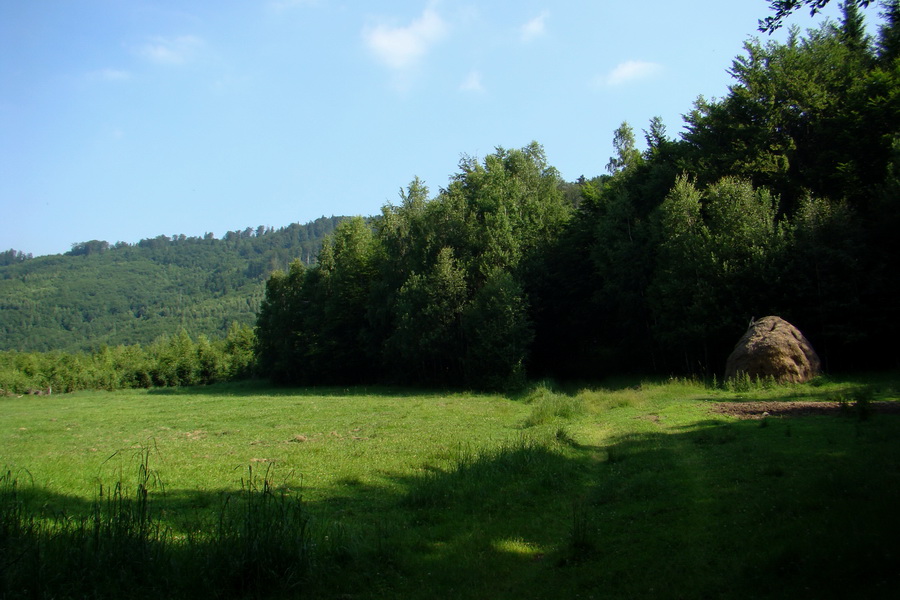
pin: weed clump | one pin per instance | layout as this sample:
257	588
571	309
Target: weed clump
548	405
858	402
743	383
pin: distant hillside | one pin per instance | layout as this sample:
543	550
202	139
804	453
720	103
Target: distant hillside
124	294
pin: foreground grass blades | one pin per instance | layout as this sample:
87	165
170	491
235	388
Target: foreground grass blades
633	490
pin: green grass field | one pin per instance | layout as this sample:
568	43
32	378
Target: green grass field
628	490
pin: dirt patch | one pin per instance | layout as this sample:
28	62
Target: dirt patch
652	417
760	410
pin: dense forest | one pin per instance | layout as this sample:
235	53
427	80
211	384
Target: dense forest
101	294
779	198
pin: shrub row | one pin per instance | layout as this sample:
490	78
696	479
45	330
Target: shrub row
168	361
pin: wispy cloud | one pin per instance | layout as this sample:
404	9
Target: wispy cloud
472	83
172	50
630	71
400	48
534	28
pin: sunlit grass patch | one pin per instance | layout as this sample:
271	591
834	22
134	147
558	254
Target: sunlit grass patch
604	399
519	547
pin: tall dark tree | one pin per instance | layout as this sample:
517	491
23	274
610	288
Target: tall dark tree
627	155
889	33
281	337
853	28
682	293
825	273
427	344
655	137
346	272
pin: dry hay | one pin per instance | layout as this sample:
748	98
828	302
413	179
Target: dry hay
773	348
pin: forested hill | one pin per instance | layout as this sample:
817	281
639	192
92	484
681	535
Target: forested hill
100	293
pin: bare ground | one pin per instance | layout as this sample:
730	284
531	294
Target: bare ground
760	410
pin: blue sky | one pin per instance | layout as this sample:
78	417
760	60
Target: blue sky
127	119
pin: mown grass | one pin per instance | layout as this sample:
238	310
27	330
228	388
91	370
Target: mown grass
635	489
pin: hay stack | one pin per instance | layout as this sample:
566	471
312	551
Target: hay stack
772	347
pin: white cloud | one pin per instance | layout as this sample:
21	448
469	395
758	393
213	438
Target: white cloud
632	70
403	47
534	28
472	83
171	51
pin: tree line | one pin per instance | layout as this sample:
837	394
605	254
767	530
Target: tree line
779	198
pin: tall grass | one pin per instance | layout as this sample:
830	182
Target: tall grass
548	404
260	544
262	540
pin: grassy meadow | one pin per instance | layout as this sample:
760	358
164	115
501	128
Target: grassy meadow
632	489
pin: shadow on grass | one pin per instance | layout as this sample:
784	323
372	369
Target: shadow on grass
788	507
